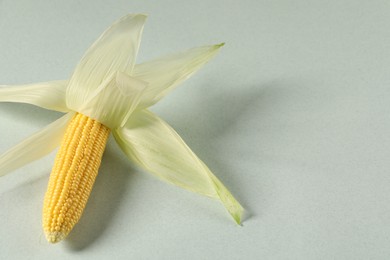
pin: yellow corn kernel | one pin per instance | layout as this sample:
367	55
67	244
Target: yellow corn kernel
74	172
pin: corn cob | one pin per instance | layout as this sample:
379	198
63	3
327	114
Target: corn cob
72	177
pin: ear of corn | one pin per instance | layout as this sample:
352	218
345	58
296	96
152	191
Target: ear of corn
73	175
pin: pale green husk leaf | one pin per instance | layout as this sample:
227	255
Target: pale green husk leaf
114	51
36	146
152	144
48	95
114	101
165	73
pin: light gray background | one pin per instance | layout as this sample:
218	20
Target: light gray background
293	116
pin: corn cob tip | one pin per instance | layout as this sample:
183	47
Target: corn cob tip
55	237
